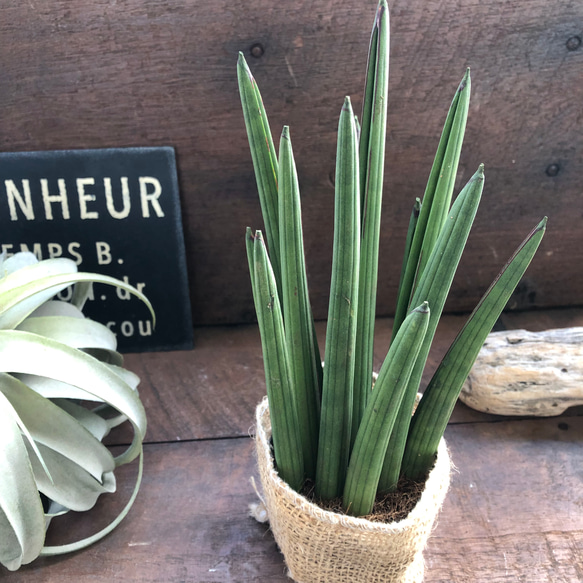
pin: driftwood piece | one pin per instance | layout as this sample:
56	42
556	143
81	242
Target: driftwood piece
527	373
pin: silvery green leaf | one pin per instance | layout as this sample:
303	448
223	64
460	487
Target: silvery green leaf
52	427
28	353
71	331
71	486
22	521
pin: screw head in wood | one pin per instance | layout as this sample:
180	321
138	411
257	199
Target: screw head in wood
552	170
257	50
573	43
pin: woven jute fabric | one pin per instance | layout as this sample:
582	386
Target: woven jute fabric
326	547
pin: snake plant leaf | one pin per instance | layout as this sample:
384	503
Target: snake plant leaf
20	302
437	197
22	521
71	331
434	410
287	440
264	159
28	353
337	391
433	288
371	170
408	242
305	361
371	442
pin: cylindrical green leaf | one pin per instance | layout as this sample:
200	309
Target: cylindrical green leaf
287	442
372	163
336	414
305	362
434	410
436	199
371	442
264	159
433	288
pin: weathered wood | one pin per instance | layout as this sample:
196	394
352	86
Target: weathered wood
512	514
212	391
527	373
90	74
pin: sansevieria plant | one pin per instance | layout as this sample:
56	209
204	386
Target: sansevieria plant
62	388
332	426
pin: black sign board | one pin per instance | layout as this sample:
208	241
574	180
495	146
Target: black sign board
113	211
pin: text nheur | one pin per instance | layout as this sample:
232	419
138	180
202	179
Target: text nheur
43	200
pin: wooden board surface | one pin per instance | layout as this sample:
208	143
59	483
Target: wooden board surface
513	513
212	391
80	74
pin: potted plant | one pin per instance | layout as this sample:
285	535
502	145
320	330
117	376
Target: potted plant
62	389
329	444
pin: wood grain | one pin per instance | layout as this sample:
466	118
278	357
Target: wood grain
211	392
513	513
80	74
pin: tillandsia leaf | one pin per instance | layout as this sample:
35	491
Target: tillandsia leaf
22	521
84	543
95	424
81	293
52	427
287	441
371	442
434	410
17	303
305	361
23	352
433	288
72	486
371	170
336	413
437	197
264	159
71	331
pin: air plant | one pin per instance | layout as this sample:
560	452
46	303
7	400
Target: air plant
62	389
351	439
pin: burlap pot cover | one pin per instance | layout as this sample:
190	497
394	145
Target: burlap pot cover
326	547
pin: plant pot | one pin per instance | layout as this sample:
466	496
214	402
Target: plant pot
320	546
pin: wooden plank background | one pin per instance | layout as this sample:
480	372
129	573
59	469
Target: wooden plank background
101	73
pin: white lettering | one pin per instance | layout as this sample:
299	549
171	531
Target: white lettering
127	328
66	294
85	197
55	250
48	198
123	294
145	328
150	197
125	197
7	248
13	195
72	249
103	251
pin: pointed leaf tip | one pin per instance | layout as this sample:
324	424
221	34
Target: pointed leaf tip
285	133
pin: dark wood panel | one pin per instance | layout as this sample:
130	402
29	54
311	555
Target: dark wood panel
79	74
513	513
